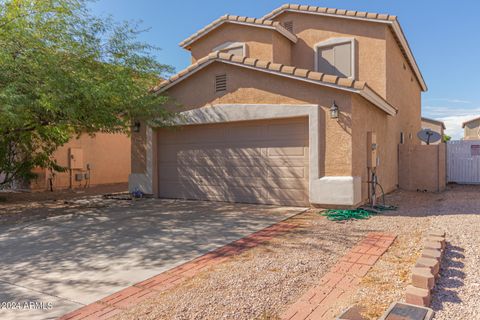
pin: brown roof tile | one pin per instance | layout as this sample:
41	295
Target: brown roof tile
288	69
263	64
301	73
250	61
345	82
237	19
315	76
280	69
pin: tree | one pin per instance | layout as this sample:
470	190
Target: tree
64	72
446	138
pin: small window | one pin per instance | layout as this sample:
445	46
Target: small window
402	138
220	83
336	57
288	25
235	48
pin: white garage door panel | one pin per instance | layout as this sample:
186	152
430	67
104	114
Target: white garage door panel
254	162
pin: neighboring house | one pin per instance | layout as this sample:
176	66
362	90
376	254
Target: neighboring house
292	109
471	129
434	125
101	159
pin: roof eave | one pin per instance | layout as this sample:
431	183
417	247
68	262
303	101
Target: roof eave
216	24
365	92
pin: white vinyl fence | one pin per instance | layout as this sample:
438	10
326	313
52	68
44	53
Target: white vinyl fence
463	161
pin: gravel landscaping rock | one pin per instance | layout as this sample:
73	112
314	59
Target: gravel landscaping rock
262	282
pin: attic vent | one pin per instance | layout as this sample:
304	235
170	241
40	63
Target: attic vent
288	25
220	83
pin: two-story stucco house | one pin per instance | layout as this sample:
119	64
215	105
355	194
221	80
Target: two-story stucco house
471	129
296	108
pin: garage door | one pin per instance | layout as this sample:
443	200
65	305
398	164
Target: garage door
252	162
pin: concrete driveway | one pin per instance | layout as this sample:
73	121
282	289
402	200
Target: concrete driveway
52	266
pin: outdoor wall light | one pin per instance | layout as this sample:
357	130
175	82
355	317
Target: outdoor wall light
136	126
334	111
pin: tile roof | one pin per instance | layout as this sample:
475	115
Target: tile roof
390	20
471	120
341	12
340	83
434	121
239	20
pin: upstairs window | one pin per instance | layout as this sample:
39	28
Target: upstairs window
235	48
336	57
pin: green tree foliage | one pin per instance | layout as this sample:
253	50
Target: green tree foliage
446	138
64	72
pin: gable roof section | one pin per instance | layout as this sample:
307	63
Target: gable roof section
253	22
390	20
471	120
434	121
343	84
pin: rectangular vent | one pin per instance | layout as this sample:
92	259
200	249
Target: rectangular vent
220	83
288	25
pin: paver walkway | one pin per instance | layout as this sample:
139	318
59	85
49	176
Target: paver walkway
131	296
341	281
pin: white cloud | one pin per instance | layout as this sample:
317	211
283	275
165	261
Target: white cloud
454	125
453	118
450	100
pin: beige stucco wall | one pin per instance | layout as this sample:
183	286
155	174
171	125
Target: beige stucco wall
423	167
368	118
108	155
250	87
263	44
471	131
370	42
403	92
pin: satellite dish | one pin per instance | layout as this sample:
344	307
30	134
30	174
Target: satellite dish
428	136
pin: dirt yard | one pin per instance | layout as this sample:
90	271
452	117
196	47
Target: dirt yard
17	207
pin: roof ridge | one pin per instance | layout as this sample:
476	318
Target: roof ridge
239	19
345	12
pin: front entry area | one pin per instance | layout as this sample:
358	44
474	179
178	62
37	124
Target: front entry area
262	161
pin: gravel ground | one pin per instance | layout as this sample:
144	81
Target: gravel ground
260	283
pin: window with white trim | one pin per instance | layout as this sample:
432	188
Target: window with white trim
236	48
336	57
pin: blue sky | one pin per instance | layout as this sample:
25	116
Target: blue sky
443	36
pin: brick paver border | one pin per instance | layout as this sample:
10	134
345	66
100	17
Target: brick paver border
131	296
341	281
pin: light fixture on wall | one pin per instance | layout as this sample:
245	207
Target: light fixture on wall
334	111
136	126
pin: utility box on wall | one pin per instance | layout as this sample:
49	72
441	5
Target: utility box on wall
75	158
372	149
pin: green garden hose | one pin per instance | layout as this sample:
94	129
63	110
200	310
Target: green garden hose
342	215
355	214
